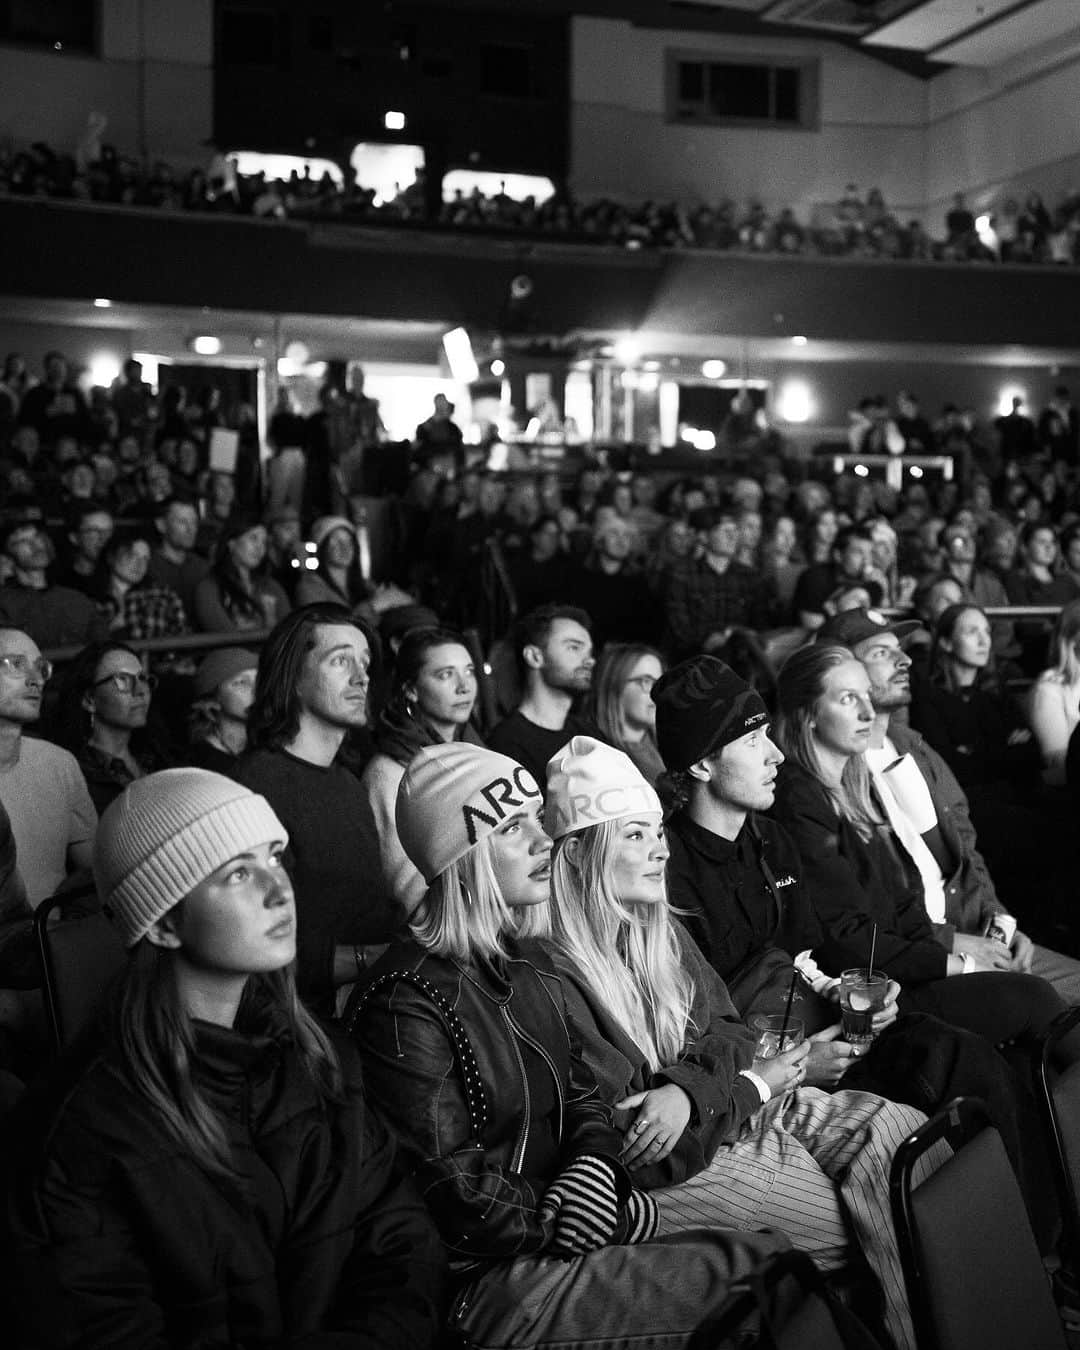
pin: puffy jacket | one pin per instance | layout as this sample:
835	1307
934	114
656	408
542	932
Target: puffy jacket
116	1237
477	1070
718	1046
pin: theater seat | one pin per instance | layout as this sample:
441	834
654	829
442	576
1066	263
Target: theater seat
1058	1094
80	951
973	1271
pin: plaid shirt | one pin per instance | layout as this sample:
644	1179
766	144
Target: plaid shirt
150	612
701	601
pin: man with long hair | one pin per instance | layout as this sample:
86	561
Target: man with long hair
311	690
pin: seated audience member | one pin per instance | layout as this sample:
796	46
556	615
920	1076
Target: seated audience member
1035	581
959	893
1054	700
90	529
673	548
311	690
664	1041
134	606
610	587
971	720
283	546
250	1192
781	566
979	584
101	718
432	700
236	595
217	517
174	564
861	862
714	594
851	561
52	815
338	580
540	572
625	714
53	616
514	1152
223	691
734	877
554	651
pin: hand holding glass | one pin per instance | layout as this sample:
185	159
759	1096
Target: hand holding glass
862	994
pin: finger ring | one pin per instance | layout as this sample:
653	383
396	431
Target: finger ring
643	1124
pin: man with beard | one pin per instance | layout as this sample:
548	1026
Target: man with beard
554	650
928	811
311	690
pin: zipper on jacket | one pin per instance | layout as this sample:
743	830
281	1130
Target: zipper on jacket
518	1159
542	1052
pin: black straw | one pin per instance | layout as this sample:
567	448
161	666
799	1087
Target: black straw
787	1008
870	967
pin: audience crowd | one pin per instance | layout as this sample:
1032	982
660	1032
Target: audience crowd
1014	231
404	796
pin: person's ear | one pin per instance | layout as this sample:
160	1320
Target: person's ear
411	696
532	656
162	933
571	847
88	701
701	771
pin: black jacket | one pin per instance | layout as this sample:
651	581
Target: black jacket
116	1238
719	890
854	884
488	1126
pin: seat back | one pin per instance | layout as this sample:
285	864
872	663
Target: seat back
1058	1093
972	1267
80	951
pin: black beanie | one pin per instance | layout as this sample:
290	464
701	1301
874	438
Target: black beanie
702	705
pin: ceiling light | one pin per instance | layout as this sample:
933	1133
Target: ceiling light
498	367
205	345
627	350
714	370
799	341
102	303
394	121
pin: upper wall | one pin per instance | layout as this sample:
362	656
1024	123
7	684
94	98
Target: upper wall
152	80
871	126
1005	130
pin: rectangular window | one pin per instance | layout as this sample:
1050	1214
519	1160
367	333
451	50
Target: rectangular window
750	93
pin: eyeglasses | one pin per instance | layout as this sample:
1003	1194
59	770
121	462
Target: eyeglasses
23	665
125	681
644	682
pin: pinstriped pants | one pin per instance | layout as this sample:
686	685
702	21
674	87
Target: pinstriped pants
816	1166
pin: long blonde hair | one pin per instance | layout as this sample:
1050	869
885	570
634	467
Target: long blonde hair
464	914
627	955
799	686
1065	644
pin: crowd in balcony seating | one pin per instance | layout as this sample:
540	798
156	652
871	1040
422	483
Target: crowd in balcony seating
506	636
856	225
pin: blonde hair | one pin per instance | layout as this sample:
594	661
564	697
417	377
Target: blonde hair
627	955
800	686
464	914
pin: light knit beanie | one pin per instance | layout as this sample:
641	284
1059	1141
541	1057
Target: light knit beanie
165	834
589	782
451	796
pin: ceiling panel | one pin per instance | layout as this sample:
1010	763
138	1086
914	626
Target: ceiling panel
1019	32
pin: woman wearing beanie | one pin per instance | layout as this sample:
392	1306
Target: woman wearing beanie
431	702
224	690
469	1055
718	1136
338	579
202	1169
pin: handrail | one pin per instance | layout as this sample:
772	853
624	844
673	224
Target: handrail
189	642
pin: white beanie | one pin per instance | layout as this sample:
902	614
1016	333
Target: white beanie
165	834
451	796
589	782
